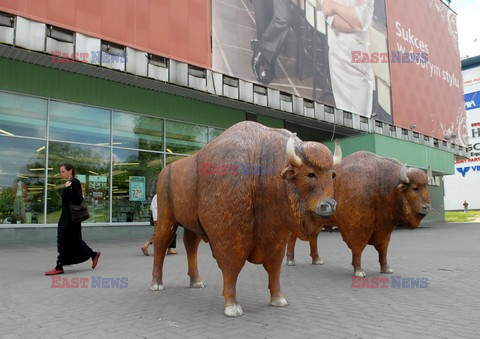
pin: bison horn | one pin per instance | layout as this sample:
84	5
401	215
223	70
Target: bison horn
403	174
337	154
292	158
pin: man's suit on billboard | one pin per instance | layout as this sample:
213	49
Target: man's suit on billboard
273	21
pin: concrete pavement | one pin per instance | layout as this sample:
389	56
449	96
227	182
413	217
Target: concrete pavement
323	303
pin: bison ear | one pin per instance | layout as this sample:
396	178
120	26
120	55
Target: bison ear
289	173
402	187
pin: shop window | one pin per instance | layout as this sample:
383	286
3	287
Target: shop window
92	164
22	181
134	184
197	71
185	138
157	60
6	19
60	34
77	123
137	131
259	89
22	116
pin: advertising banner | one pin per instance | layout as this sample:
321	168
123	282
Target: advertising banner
463	185
312	49
426	88
472	101
472	105
175	29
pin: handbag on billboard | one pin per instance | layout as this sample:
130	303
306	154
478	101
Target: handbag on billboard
79	212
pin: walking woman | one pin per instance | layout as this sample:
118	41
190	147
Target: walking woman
71	248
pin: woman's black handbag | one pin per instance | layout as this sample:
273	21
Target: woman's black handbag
79	213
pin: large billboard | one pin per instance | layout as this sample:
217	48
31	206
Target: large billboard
307	48
427	91
464	184
175	29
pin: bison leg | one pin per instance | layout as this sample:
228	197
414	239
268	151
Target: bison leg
357	262
191	242
316	260
273	267
291	249
382	249
163	236
232	307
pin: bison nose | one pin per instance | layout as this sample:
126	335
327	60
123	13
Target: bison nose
326	207
425	209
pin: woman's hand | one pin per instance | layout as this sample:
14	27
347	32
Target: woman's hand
68	184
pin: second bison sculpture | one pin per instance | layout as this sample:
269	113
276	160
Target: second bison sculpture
374	195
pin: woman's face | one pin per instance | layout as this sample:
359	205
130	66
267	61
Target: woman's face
64	173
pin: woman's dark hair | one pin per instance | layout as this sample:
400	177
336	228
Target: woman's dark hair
68	166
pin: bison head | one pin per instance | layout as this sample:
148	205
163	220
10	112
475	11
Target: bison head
311	174
415	197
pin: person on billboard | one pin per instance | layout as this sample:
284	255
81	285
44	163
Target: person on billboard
273	21
71	248
153	221
352	83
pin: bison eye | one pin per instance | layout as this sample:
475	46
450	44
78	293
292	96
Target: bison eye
416	189
334	174
311	175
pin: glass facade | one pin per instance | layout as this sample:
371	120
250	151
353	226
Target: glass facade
117	156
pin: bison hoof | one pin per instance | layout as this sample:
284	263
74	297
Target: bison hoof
197	284
386	270
233	310
278	302
290	262
360	273
156	287
317	261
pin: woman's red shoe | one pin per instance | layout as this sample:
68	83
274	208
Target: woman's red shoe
55	271
95	260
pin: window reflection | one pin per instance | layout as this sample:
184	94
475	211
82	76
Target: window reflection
185	138
22	116
81	135
137	131
92	164
134	184
172	158
22	180
213	133
69	122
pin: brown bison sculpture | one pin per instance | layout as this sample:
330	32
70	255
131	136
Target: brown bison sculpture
245	216
374	195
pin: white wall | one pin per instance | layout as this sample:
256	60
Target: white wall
459	188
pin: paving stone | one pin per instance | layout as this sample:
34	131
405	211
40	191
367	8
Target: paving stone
322	302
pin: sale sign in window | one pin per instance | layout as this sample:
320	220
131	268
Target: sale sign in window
136	187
